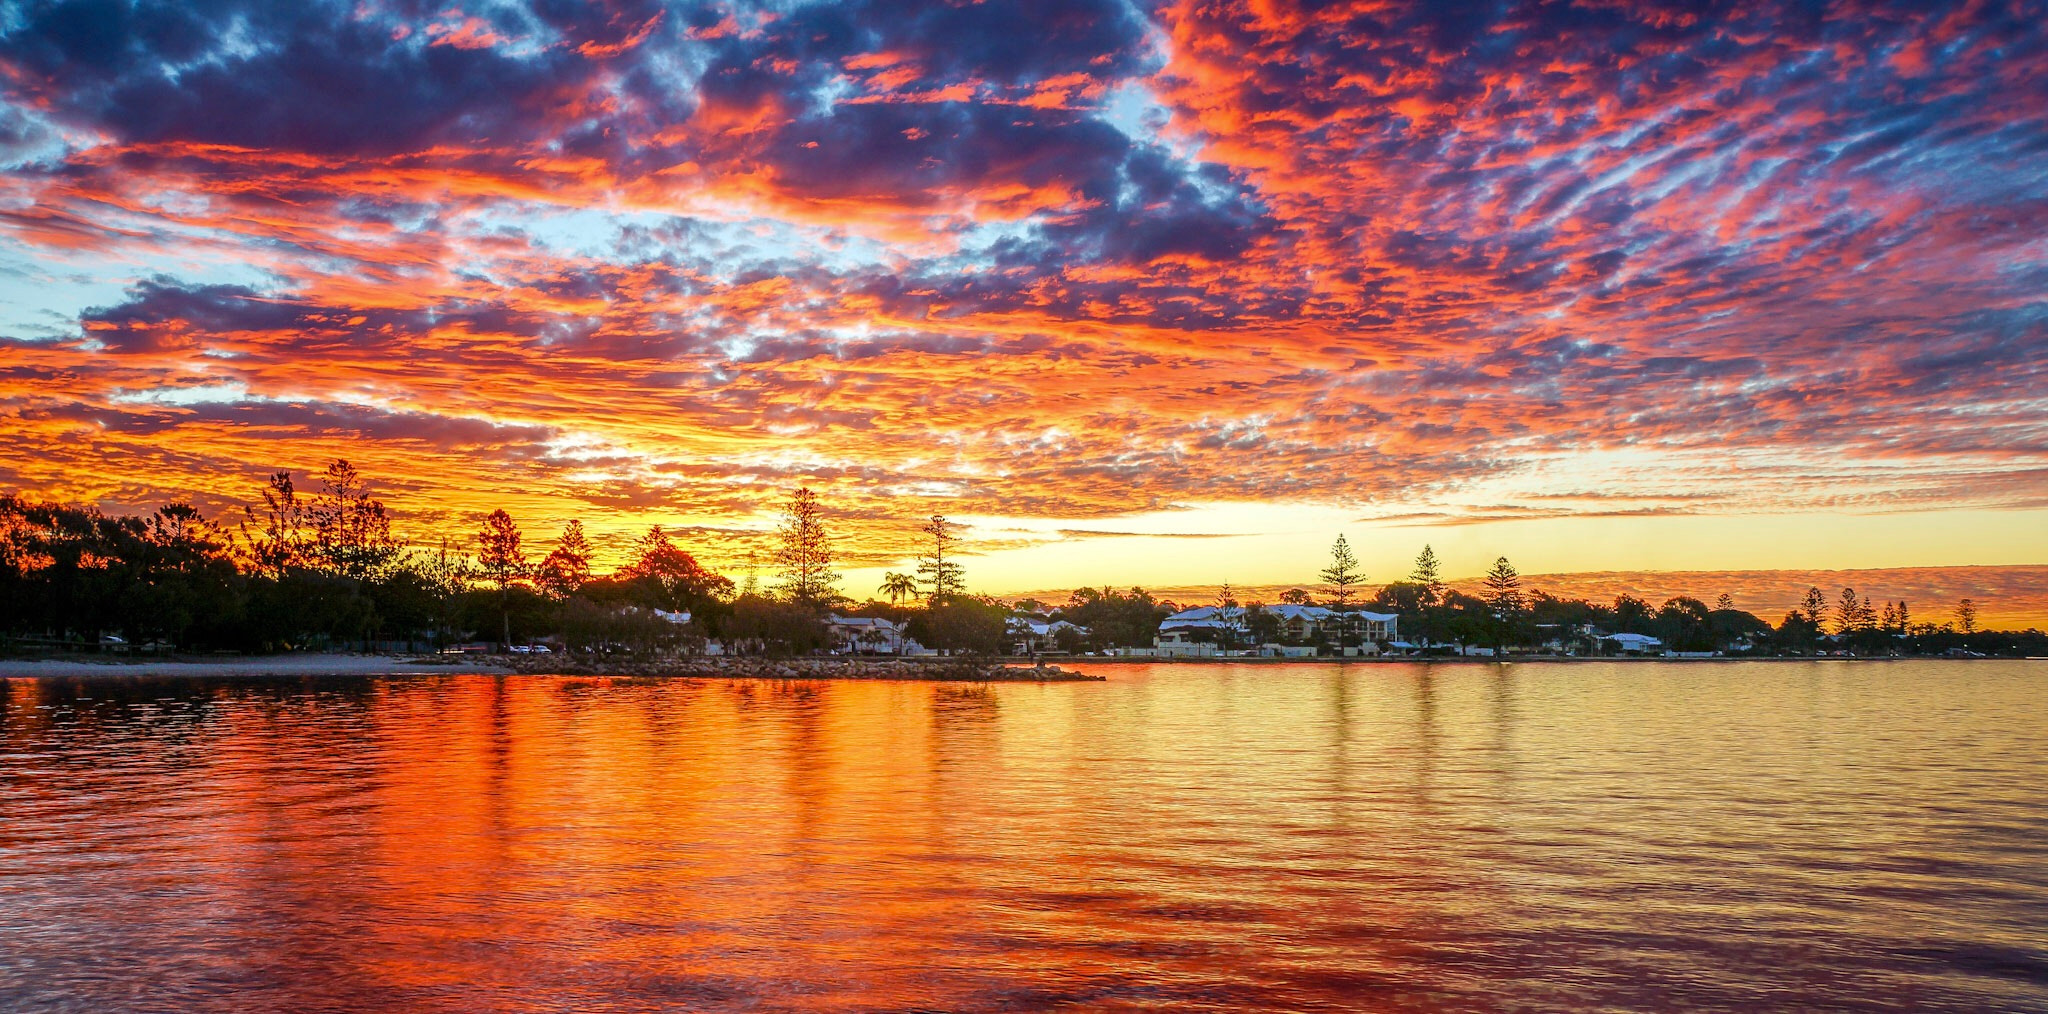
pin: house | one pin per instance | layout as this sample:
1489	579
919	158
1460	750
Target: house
1180	643
1632	644
870	635
1297	623
1195	633
1029	634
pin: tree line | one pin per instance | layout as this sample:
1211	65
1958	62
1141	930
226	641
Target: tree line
1501	613
325	569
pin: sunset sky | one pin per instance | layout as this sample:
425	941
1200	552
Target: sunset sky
1167	294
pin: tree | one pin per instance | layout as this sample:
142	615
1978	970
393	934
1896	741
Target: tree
1724	603
897	587
943	577
1115	619
963	623
279	541
1816	605
776	628
1295	597
1342	574
1798	632
1428	575
1852	614
446	574
351	530
670	578
805	555
497	550
1631	615
1503	596
1228	618
1966	616
1684	624
502	561
1261	626
566	568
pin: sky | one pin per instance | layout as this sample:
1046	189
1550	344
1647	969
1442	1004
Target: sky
1143	293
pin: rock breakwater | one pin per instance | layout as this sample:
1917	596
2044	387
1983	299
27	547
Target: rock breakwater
725	667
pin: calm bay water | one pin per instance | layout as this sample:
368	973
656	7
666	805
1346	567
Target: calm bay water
1381	837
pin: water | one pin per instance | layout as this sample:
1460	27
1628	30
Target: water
1834	835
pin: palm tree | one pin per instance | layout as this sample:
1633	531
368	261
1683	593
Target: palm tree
899	587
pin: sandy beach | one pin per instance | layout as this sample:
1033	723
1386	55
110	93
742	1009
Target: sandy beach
268	665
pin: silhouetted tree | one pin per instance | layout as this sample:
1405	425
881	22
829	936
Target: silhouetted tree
502	560
1115	619
667	577
1427	574
1503	597
1966	616
1342	575
566	567
805	554
351	530
1631	615
279	538
1816	605
898	587
943	577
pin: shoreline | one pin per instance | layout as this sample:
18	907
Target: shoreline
951	670
1052	668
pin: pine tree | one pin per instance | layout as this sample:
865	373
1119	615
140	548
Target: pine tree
1848	612
1503	598
565	569
805	555
1966	616
351	530
279	543
1504	589
943	577
1428	575
1342	574
1725	603
1815	607
1228	616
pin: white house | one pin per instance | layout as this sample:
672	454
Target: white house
1029	634
1192	633
870	635
1180	643
1298	623
1634	644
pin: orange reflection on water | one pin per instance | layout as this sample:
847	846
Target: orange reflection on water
1221	837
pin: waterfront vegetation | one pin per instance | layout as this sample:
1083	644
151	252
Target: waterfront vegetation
327	570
